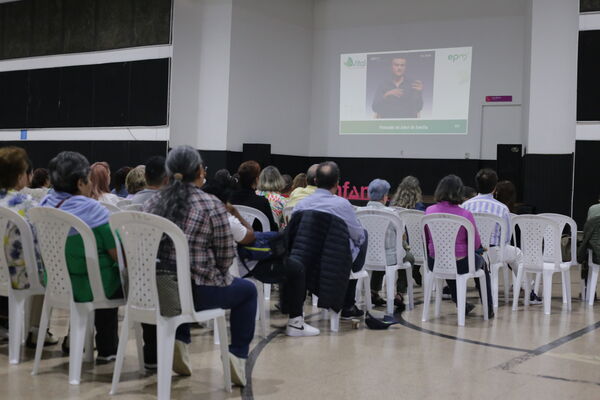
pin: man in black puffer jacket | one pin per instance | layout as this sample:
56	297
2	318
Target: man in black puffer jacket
326	240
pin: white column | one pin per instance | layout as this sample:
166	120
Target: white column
200	73
550	85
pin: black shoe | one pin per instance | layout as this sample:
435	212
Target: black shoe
101	360
468	308
400	308
377	301
49	340
491	313
65	346
417	277
399	300
446	295
350	313
534	298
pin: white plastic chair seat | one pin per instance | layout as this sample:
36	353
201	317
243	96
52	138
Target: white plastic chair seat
53	226
18	319
140	235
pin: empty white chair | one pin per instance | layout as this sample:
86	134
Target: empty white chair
140	235
110	207
17	299
486	225
52	227
540	244
264	289
443	229
563	220
376	222
122	203
592	278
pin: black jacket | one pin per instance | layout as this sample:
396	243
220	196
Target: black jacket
318	242
591	240
249	198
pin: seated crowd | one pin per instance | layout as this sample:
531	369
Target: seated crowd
325	240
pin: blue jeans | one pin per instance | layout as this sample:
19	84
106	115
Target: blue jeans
240	297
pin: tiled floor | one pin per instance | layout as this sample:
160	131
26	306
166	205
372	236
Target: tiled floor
517	355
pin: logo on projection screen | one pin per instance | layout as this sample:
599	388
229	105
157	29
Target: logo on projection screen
353	63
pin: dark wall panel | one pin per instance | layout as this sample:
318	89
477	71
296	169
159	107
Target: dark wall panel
44	90
76	96
587	179
45	27
111	94
589	5
547	182
14	86
149	101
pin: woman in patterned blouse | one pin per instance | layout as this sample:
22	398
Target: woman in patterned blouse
14	164
270	184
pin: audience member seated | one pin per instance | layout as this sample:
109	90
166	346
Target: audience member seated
70	177
589	241
100	183
203	219
324	199
468	193
506	193
13	164
119	182
270	185
39	184
378	194
155	176
449	196
484	202
135	180
299	181
287	189
304	191
408	195
245	195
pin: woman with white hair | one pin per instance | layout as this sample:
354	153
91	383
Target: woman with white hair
378	195
270	185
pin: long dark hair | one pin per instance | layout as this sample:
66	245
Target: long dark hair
449	189
182	168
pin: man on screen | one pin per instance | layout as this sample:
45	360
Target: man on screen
400	97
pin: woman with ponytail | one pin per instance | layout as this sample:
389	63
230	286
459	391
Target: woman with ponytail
203	218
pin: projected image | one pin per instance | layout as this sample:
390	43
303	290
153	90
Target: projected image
400	85
405	92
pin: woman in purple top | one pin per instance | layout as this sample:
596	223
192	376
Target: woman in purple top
449	195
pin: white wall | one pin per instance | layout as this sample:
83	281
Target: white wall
270	75
200	73
495	30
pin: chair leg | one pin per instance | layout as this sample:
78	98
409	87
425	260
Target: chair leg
484	297
494	282
563	284
538	277
409	288
216	333
506	284
46	309
517	287
526	298
334	321
592	282
427	283
390	284
125	326
166	337
438	285
315	300
16	310
461	297
547	277
567	284
267	291
139	341
88	354
77	336
221	328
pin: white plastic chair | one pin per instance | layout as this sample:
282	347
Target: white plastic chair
140	235
443	229
376	222
593	270
123	203
264	289
540	244
110	207
18	319
52	227
564	220
486	225
363	285
412	223
133	207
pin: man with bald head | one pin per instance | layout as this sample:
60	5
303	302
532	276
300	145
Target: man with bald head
302	192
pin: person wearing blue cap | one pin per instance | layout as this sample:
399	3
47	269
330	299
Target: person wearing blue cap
378	194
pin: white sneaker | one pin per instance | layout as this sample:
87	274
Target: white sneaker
237	366
297	327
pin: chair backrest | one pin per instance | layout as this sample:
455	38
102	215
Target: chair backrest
443	230
287	214
52	227
139	235
110	207
133	207
487	224
122	203
563	220
9	220
412	222
376	222
250	214
539	238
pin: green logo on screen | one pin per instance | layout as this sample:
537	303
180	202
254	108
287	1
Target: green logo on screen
457	57
350	63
